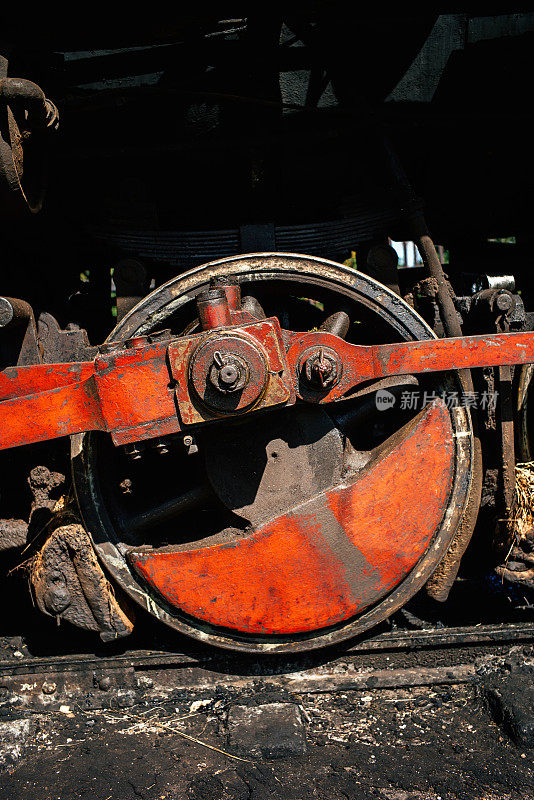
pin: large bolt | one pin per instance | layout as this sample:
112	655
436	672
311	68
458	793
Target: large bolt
321	367
229	372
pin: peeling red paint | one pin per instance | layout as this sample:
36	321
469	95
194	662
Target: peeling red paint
326	560
129	390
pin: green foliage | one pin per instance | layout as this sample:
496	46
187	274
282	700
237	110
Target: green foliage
351	262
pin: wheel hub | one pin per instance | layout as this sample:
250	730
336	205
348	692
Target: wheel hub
228	373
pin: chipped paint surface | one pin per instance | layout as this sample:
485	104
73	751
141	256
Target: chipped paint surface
128	393
326	560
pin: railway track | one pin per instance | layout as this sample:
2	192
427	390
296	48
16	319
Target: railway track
392	659
482	636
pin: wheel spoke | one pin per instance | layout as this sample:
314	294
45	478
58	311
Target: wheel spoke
337	323
252	307
391	383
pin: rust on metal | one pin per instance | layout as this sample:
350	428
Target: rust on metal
26	116
324	561
69	584
213	309
258	345
320	561
129	393
262	469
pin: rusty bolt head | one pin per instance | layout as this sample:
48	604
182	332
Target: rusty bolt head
321	367
161	447
134	451
188	441
49	688
229	372
504	301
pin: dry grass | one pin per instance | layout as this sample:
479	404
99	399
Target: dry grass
522	517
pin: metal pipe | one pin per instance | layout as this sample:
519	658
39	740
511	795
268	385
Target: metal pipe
190	500
213	310
17	91
14	311
430	258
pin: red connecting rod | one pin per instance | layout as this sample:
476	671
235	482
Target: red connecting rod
144	390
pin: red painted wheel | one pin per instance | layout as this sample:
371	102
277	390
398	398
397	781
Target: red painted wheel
287	529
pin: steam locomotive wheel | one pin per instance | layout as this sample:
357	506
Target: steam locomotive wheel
286	529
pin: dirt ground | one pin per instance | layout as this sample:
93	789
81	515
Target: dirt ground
410	744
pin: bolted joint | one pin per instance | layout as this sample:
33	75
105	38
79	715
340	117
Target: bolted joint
320	367
228	372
